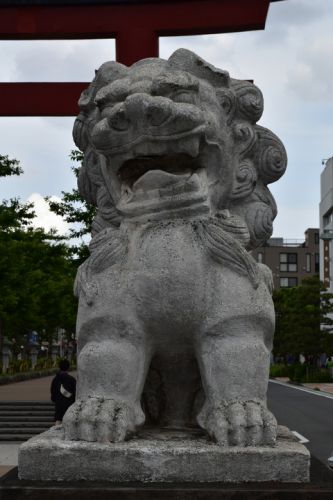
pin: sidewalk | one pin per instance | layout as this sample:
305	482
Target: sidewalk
318	386
37	389
8	456
327	387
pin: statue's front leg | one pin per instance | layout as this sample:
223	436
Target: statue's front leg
234	364
111	375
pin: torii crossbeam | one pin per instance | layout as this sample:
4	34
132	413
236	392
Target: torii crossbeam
135	24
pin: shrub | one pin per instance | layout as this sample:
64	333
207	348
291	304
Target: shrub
319	376
44	364
279	370
297	372
304	374
24	365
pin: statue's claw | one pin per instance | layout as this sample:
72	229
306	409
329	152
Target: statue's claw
102	420
239	423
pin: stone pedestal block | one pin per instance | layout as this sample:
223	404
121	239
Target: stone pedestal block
162	456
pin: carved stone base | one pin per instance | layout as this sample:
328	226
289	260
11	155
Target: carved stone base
161	456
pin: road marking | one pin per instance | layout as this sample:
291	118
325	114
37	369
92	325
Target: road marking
304	389
300	438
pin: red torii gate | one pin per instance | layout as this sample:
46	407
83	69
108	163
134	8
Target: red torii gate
135	24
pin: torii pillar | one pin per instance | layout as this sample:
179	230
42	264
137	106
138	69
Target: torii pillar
135	24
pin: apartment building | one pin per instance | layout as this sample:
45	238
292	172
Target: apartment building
291	260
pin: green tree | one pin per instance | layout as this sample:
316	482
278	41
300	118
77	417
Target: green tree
303	324
37	284
36	269
13	214
76	211
9	167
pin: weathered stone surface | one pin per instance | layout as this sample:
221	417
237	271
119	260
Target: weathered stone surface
170	298
161	456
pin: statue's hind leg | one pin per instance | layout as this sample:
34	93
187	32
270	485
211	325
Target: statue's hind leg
111	375
234	365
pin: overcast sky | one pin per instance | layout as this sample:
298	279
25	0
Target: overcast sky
291	61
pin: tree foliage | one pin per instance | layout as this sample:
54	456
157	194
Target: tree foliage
37	284
9	167
36	269
303	324
13	213
76	211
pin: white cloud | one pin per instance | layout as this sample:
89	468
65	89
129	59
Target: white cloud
42	145
53	60
44	217
311	76
297	12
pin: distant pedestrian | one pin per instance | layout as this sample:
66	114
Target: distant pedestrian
63	389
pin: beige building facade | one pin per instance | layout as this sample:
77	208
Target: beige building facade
291	260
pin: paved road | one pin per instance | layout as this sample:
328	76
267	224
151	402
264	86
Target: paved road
309	414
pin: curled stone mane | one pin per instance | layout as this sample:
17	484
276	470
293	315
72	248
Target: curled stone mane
259	158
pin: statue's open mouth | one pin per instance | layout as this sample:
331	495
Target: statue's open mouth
158	183
153	172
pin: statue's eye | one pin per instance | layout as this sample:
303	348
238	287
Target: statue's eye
105	111
183	96
109	99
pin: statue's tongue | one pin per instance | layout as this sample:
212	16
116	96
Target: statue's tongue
156	179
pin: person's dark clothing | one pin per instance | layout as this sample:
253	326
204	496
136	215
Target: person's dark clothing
62	403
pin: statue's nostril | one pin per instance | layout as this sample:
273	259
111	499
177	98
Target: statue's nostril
119	121
157	114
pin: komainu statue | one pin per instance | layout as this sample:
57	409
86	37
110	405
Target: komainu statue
175	319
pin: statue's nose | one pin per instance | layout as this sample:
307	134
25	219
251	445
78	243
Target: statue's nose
117	118
153	110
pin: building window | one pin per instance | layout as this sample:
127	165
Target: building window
316	262
308	263
316	238
328	217
288	282
288	262
260	257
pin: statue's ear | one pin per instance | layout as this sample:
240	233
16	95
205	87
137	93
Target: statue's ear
186	60
245	180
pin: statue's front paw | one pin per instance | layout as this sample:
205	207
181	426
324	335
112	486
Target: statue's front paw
102	420
239	423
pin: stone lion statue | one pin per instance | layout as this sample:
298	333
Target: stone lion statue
175	319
